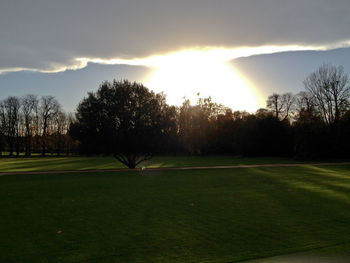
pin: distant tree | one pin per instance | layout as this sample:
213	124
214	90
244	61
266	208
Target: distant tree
288	100
304	102
2	141
226	131
29	107
124	119
197	124
70	144
343	136
262	113
281	105
264	135
2	127
311	137
61	127
274	104
10	114
48	109
330	91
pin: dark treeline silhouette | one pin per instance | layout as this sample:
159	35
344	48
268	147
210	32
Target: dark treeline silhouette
32	125
132	123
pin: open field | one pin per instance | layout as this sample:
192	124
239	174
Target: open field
100	162
217	215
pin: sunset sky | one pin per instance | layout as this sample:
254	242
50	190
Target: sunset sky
238	52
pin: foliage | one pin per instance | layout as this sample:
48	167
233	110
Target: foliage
124	119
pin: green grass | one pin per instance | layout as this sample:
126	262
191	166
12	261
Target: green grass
57	163
85	163
187	161
227	215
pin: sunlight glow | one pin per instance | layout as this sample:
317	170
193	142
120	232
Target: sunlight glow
184	74
204	70
207	71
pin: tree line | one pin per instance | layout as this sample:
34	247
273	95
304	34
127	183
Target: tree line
132	123
34	125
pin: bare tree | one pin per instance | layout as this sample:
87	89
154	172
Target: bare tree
29	108
48	108
274	104
288	102
2	125
10	108
281	105
61	124
330	91
70	144
304	102
31	124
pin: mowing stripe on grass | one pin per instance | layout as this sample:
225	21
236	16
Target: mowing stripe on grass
173	168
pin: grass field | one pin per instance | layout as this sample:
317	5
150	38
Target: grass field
228	215
86	163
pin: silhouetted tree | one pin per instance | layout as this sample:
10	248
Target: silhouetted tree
311	137
122	118
274	103
343	136
29	107
281	105
197	125
264	135
48	108
10	109
329	88
61	127
304	103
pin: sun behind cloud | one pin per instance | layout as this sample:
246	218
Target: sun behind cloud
205	70
186	73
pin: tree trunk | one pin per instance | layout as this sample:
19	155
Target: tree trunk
131	161
10	146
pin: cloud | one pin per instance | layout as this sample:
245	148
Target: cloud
47	35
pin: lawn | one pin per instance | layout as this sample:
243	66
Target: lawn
108	162
227	215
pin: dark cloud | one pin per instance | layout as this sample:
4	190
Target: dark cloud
47	35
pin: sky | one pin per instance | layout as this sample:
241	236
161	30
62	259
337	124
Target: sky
237	51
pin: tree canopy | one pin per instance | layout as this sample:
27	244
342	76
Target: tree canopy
124	119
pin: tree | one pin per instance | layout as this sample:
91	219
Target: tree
281	105
61	126
330	91
124	119
288	101
274	104
304	102
197	125
29	107
48	108
10	109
